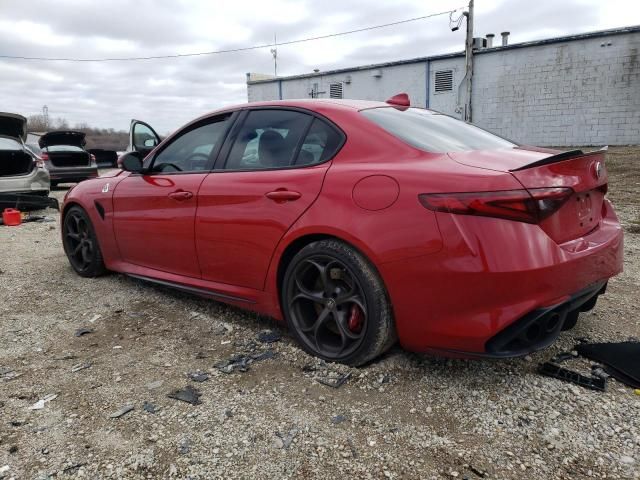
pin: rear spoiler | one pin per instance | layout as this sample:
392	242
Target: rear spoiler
24	200
560	157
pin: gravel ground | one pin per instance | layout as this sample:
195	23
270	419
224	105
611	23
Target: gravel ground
405	416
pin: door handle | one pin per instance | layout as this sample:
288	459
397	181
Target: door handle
181	195
280	196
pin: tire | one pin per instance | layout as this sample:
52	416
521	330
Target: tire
81	244
335	304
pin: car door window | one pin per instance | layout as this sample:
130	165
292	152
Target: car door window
193	149
321	143
143	137
268	139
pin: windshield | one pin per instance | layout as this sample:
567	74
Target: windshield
9	144
64	148
434	132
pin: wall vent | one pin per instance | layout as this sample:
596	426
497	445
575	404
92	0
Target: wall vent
335	90
444	81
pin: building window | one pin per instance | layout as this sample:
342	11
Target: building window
444	81
335	90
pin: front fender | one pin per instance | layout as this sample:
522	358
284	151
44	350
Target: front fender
95	196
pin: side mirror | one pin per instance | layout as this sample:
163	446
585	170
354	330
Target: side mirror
150	142
131	162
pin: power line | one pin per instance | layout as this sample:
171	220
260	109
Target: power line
231	50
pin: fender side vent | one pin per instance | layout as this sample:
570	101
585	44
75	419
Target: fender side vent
99	208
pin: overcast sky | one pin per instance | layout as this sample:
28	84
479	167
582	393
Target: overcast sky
168	93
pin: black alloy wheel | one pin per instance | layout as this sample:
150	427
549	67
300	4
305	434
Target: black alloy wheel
81	244
336	304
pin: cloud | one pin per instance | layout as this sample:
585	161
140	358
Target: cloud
169	93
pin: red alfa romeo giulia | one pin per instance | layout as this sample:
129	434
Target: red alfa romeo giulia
359	224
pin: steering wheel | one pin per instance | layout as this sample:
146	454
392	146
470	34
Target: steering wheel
197	157
161	167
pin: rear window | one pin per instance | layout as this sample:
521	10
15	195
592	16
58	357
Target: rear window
434	132
64	148
9	144
34	148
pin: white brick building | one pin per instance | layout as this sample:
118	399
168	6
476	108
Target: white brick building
575	90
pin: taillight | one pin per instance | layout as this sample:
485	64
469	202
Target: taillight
44	156
530	206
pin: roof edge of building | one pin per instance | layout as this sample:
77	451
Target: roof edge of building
498	48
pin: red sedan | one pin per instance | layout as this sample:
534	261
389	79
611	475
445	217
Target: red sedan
359	224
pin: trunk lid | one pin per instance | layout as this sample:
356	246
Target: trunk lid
584	173
13	125
63	137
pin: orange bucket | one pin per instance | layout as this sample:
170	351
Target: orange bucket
11	217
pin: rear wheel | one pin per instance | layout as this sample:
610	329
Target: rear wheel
336	305
81	244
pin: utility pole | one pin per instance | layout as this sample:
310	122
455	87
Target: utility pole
274	52
45	116
469	62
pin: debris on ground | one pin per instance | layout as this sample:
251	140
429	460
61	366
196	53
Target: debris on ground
199	377
338	419
225	415
334	381
67	356
564	356
80	366
269	336
285	440
550	369
621	359
222	329
187	394
83	331
94	318
149	407
39	405
122	411
185	446
240	362
155	384
7	374
72	468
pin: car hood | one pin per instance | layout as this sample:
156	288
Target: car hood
13	125
63	137
504	159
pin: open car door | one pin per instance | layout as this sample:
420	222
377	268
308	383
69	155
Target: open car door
142	138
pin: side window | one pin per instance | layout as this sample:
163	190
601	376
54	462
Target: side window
268	139
191	151
320	144
143	137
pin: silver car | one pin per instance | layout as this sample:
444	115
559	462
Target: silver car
65	157
21	171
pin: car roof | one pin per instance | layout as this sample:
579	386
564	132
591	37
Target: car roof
311	104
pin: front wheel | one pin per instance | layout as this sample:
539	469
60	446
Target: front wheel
336	305
81	244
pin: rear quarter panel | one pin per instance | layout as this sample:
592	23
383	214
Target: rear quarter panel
403	229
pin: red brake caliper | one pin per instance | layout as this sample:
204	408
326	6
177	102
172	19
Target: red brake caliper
356	319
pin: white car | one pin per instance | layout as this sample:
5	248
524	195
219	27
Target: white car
22	172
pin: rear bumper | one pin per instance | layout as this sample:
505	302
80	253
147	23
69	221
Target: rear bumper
495	276
71	174
35	181
540	328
